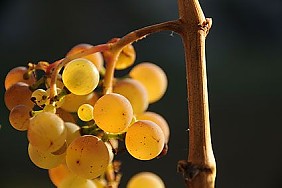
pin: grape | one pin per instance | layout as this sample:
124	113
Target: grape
95	58
144	180
144	140
152	77
113	113
19	117
135	92
73	131
80	76
72	102
17	75
87	156
39	97
44	159
85	112
126	57
47	132
58	174
66	116
158	119
18	93
73	181
59	101
100	183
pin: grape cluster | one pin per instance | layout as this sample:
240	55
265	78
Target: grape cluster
76	133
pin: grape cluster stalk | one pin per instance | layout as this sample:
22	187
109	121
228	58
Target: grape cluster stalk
78	114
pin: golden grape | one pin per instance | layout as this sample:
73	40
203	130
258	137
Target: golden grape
73	132
74	181
145	180
58	174
20	117
85	112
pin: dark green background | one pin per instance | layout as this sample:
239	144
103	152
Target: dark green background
244	79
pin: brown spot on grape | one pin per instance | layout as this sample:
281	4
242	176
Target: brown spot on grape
78	162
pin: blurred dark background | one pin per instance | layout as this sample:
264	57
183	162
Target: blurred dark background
244	79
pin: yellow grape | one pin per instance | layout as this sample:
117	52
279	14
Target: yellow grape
18	93
17	75
47	132
58	174
152	77
20	117
95	58
73	181
144	180
44	159
73	132
59	101
126	57
85	112
135	92
80	76
144	140
158	119
39	97
87	156
113	113
100	183
66	116
72	102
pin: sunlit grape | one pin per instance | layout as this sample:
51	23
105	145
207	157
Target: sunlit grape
58	174
113	113
39	97
80	76
44	159
145	180
73	131
20	117
85	112
87	156
135	92
74	181
144	140
17	74
47	132
18	93
152	77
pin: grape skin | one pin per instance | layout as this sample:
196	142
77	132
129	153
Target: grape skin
113	113
20	117
144	140
85	112
58	174
144	180
73	132
73	181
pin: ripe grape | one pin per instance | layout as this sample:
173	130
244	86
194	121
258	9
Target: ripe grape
74	181
152	77
95	58
72	102
135	92
66	116
158	119
17	75
85	112
144	140
145	179
18	93
47	132
58	174
73	131
87	156
39	97
80	76
113	113
19	117
44	159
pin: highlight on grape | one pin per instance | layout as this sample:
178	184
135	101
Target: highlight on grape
77	114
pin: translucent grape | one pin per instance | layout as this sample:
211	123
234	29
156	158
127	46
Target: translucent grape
47	132
20	117
158	119
126	57
152	77
58	174
43	159
39	97
17	75
18	93
87	156
85	112
113	113
72	102
73	132
144	180
95	58
144	140
135	92
73	181
80	76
